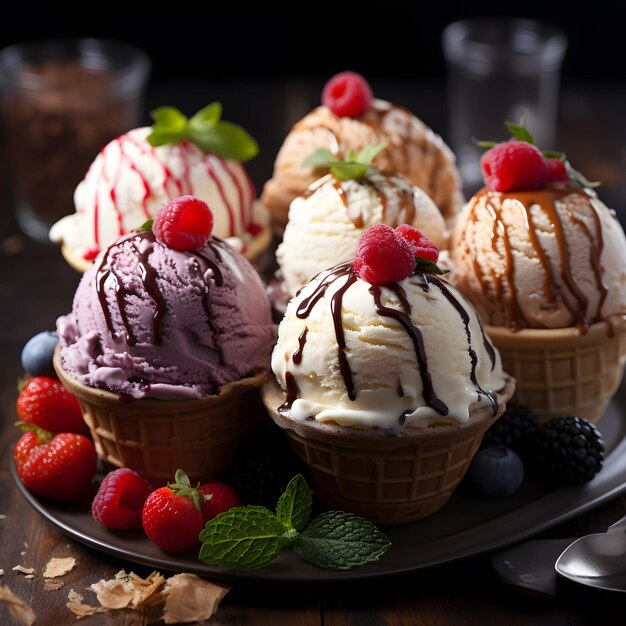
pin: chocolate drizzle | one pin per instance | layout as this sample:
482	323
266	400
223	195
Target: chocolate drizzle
572	297
297	355
428	391
389	186
462	311
105	275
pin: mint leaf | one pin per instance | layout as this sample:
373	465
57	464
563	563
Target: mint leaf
520	132
485	145
247	537
424	265
321	158
294	506
226	140
578	178
341	541
367	155
210	115
146	227
170	126
343	170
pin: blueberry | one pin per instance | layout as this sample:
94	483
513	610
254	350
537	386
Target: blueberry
496	472
37	354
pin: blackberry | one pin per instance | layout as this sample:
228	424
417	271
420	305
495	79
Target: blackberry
263	467
512	429
567	450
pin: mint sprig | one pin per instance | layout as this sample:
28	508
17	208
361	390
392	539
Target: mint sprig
521	133
251	537
206	129
354	166
423	265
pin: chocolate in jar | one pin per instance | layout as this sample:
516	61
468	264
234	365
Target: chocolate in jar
56	128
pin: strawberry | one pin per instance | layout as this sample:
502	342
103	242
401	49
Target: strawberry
217	497
56	466
46	403
172	517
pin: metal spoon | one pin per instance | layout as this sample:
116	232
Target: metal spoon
597	560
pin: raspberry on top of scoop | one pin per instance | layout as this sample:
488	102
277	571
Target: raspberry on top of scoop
347	94
385	255
184	223
519	165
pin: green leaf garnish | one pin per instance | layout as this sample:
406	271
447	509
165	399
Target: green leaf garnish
226	140
521	133
424	265
146	227
294	506
352	167
206	129
320	158
251	537
243	538
341	541
182	487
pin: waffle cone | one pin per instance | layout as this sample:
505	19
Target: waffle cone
561	371
156	437
386	479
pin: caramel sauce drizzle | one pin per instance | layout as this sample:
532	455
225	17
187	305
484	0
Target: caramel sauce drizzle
577	303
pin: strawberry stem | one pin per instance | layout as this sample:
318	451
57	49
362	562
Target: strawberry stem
43	434
182	487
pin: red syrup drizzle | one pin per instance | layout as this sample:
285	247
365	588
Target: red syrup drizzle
182	185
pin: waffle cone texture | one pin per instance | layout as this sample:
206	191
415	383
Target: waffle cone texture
386	479
561	372
156	437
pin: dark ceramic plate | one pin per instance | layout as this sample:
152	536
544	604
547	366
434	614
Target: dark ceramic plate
465	527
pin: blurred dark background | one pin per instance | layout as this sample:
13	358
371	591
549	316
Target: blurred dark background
267	62
265	40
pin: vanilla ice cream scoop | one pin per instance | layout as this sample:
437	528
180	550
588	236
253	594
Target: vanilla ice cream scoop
412	148
384	356
548	258
326	221
130	180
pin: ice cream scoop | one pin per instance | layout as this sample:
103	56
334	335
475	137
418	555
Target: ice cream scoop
386	380
326	221
149	321
552	257
384	356
130	180
413	149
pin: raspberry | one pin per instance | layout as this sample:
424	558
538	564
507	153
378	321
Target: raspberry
513	166
120	499
555	171
184	223
382	256
423	247
347	94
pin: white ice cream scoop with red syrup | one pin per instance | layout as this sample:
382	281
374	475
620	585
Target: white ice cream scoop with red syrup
134	175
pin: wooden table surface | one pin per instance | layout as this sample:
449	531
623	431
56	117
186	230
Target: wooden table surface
36	286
